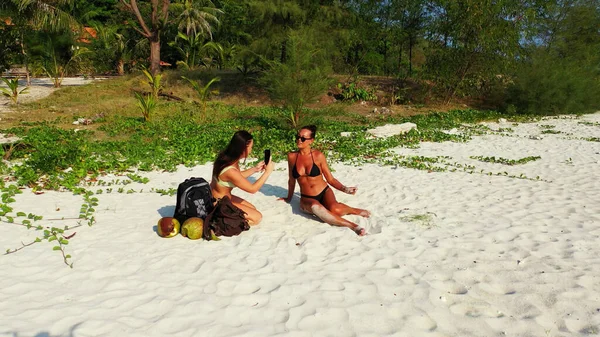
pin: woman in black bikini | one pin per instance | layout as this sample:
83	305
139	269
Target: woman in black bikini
308	167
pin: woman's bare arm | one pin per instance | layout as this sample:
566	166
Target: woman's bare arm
291	180
252	170
242	183
331	180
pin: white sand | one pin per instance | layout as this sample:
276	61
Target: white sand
40	88
449	254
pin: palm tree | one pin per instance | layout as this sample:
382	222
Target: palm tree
151	27
37	14
196	17
114	46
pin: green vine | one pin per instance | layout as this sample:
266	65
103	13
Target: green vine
49	233
505	161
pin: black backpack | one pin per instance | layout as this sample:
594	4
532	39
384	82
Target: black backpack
194	199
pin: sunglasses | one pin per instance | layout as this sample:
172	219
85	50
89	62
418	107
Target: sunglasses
303	139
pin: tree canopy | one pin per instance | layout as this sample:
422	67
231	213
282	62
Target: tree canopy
473	48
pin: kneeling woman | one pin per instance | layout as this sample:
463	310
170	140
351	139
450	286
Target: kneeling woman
308	167
227	175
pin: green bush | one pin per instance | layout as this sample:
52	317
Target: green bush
550	85
302	78
353	92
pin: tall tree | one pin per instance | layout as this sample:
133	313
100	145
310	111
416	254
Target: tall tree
560	73
472	41
410	17
151	28
275	19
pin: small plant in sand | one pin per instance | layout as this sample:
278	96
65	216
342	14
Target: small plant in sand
550	131
170	192
425	220
547	126
54	234
154	81
57	66
478	129
471	169
589	123
137	178
505	161
146	104
418	162
13	90
203	92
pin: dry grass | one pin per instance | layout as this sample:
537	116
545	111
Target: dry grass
114	97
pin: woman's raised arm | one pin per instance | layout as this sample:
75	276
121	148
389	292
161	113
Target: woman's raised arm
242	183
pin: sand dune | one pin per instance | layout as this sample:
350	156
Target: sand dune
448	253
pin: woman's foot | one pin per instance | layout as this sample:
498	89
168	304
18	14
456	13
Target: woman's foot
364	213
360	231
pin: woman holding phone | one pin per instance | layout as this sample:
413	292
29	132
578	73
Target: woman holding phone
309	167
227	175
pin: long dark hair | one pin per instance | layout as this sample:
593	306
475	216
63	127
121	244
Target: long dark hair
233	151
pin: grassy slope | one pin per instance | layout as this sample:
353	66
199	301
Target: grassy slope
181	132
114	97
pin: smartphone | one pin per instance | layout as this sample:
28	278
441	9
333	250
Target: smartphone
267	156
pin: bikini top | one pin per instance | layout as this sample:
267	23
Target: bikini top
225	183
314	170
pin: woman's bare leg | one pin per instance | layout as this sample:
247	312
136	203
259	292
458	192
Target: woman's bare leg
314	207
252	214
341	209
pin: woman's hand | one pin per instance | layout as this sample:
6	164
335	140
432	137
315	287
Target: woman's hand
260	166
269	167
349	190
285	199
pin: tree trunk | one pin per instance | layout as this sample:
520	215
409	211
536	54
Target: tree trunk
410	49
385	57
120	67
155	55
400	57
25	61
283	57
27	73
454	87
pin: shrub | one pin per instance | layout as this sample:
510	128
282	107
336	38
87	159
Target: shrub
302	78
551	85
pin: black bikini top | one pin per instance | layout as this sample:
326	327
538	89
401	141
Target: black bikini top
314	170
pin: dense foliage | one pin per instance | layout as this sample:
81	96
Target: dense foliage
524	56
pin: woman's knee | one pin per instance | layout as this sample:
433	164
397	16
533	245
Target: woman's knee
337	209
254	217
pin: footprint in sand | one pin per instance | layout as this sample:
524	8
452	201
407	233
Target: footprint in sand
372	224
497	288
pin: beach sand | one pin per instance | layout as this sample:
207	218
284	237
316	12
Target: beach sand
40	88
448	253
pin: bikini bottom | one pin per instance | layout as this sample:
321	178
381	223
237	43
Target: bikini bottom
319	197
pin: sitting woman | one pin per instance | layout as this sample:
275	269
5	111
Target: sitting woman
227	174
308	167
